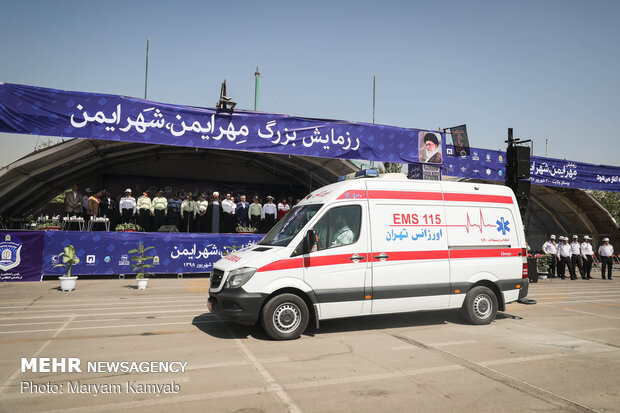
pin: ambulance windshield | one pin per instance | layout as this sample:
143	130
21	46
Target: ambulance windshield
285	229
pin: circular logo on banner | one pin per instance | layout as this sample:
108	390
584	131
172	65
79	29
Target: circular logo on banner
107	258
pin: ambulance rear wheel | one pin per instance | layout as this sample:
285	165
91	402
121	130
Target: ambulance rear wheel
480	306
285	317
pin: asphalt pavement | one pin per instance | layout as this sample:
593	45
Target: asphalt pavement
561	354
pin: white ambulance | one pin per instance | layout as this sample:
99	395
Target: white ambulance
376	246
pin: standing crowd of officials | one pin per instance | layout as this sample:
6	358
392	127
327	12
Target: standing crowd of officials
205	213
577	256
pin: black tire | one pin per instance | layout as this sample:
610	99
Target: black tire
285	317
480	305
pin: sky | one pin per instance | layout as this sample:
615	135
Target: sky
548	69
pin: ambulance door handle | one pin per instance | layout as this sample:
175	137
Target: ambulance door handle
382	257
356	258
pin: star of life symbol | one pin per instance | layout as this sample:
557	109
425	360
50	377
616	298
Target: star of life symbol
10	254
488	171
502	226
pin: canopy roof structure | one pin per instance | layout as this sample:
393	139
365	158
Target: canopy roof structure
29	183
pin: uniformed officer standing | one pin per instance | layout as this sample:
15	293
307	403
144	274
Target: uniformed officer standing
159	210
127	207
174	210
144	211
255	212
201	214
575	259
551	247
283	208
606	251
188	210
271	212
564	252
228	208
586	255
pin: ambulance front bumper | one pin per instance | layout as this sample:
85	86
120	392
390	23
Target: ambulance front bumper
237	305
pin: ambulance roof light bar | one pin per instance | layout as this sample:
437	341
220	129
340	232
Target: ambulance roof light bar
365	173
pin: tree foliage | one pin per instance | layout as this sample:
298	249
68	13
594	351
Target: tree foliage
609	200
390	167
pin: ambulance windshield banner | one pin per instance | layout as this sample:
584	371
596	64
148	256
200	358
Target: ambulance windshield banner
20	256
41	111
103	253
491	165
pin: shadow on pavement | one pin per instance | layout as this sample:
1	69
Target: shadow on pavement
210	324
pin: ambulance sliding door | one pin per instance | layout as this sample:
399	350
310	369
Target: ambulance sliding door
483	243
409	253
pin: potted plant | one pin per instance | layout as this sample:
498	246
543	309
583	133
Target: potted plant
128	227
49	226
543	263
69	259
140	263
245	229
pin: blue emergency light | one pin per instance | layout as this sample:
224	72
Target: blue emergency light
367	173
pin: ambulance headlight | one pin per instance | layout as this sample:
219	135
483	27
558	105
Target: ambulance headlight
240	276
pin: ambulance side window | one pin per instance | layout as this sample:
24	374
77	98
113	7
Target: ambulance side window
338	227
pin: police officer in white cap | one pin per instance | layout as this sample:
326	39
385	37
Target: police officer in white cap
564	252
271	212
127	207
606	251
551	247
575	260
586	255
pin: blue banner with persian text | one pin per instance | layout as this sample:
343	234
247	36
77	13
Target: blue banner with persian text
103	253
42	111
491	165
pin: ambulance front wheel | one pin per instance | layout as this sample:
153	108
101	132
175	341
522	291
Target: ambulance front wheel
285	317
480	306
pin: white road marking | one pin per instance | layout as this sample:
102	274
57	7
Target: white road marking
154	311
36	353
104	308
113	326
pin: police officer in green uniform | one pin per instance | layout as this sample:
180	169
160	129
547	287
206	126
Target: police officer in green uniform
159	210
144	211
188	210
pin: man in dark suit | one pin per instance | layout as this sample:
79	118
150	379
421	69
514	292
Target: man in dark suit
73	201
242	211
108	208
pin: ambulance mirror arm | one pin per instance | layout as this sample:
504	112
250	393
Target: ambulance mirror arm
309	241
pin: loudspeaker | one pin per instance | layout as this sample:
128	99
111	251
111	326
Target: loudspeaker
522	153
168	228
518	161
523	169
523	189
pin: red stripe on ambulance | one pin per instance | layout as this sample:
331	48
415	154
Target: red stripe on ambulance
319	261
426	196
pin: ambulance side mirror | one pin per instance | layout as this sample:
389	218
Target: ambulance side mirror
309	241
